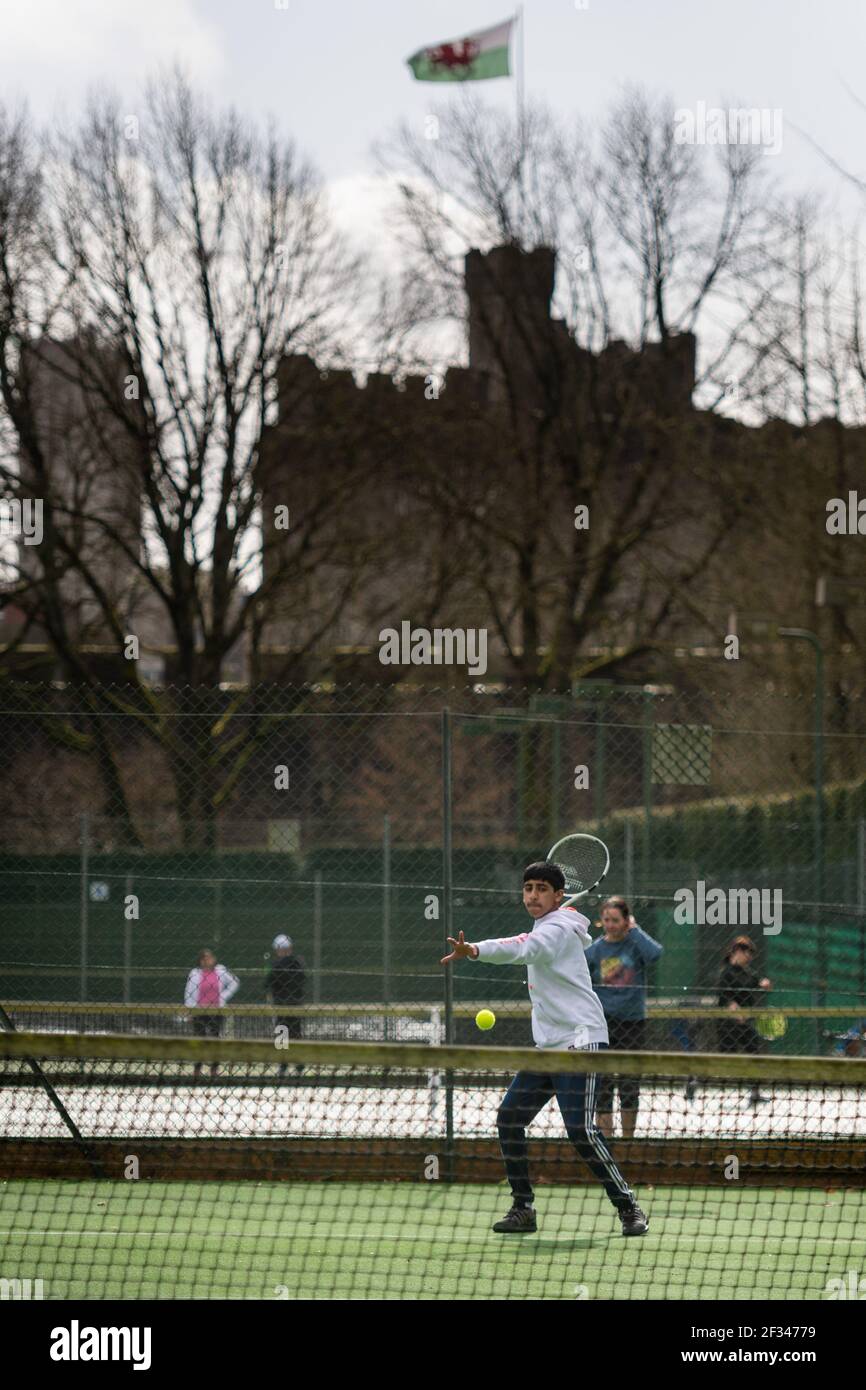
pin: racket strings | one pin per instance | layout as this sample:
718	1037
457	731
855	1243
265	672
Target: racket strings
584	861
582	870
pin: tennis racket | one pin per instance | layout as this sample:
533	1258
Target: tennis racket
584	860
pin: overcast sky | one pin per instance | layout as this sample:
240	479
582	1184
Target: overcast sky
333	71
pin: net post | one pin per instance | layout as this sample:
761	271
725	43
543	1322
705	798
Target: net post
647	787
435	1077
218	913
820	839
85	857
861	900
628	860
805	635
317	937
386	914
555	774
448	922
599	769
127	946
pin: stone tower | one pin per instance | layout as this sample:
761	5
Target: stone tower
511	333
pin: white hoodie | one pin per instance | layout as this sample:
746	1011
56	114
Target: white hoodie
566	1011
228	983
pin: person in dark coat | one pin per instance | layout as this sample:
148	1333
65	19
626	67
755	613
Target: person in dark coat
285	985
740	987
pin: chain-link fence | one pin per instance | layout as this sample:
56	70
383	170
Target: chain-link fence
368	823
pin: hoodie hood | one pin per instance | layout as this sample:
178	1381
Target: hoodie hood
571	918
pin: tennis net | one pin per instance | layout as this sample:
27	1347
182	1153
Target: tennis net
695	1025
160	1168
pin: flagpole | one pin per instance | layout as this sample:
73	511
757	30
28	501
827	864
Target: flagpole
521	99
521	91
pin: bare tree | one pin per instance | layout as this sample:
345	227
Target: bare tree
585	420
152	285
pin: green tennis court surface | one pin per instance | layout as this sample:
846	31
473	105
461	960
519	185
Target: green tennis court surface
380	1240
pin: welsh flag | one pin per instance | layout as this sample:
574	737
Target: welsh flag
471	59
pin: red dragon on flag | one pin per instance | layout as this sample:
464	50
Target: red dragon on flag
454	55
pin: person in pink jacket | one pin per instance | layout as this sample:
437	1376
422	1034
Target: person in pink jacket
209	986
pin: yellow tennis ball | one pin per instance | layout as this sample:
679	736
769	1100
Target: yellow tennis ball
485	1019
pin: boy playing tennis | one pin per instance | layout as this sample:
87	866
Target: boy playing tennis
566	1013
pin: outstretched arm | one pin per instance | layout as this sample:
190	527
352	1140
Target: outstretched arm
543	943
463	950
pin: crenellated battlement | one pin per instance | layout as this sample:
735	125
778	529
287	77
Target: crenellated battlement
515	348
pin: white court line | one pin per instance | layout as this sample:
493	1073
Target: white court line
439	1239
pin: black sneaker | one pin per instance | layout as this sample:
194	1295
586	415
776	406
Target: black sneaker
520	1221
691	1088
757	1099
634	1221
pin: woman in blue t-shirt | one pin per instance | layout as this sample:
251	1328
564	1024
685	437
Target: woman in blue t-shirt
617	966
